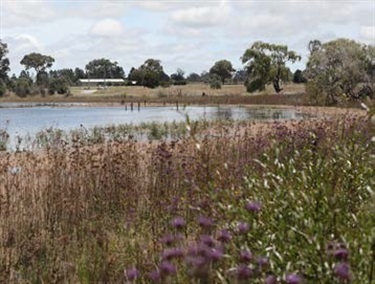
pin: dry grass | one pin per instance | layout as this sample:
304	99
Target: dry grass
191	93
83	214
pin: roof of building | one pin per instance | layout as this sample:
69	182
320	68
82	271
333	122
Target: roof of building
101	80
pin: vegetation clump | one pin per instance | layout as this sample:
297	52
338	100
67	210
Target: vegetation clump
289	203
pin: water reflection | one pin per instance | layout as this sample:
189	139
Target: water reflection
20	122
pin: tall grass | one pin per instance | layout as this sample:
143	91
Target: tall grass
293	202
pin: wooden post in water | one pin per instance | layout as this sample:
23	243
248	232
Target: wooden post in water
126	107
139	106
144	102
177	105
131	106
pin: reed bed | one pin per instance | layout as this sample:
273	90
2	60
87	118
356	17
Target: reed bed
288	202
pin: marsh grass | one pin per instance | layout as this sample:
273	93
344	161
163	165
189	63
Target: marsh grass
288	197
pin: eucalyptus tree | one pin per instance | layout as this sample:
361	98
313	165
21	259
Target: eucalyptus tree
340	68
40	63
4	61
4	68
265	63
222	68
104	68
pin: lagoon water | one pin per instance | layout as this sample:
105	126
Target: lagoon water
20	121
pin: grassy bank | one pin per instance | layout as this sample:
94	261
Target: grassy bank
289	201
189	94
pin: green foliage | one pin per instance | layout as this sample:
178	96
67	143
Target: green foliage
68	75
42	79
3	88
215	82
298	77
194	77
37	61
338	67
223	69
178	78
103	68
150	74
4	61
23	87
58	85
265	63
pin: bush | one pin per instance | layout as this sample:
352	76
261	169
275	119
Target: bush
58	85
23	87
3	88
215	82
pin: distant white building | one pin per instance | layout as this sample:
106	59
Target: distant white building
101	82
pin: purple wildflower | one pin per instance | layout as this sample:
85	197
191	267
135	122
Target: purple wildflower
294	279
155	276
224	236
270	279
131	274
168	240
342	271
215	254
170	253
167	268
207	240
253	206
197	265
205	222
178	223
243	272
263	261
341	254
245	256
243	227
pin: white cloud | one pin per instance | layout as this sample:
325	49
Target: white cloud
107	28
23	13
368	33
202	16
98	9
19	46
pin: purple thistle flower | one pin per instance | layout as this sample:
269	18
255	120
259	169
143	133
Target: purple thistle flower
197	265
170	253
205	222
270	279
243	272
224	236
341	254
243	227
253	206
294	279
178	223
263	261
207	240
342	271
245	256
215	254
155	276
167	239
167	268
131	274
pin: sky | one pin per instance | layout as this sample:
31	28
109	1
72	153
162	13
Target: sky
187	34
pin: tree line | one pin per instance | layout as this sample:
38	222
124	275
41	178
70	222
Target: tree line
335	69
